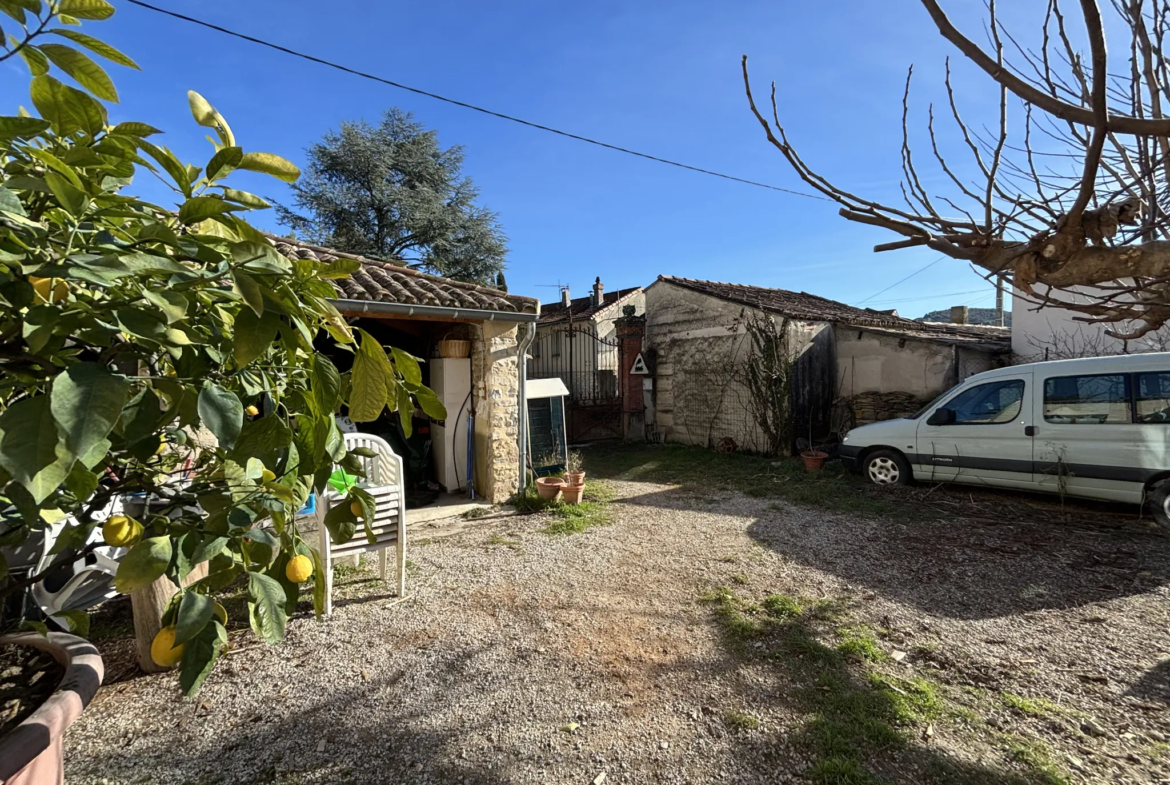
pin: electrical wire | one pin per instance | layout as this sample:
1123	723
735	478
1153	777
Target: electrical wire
473	107
883	291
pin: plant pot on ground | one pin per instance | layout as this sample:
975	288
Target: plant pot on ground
814	460
549	488
572	493
53	679
574	471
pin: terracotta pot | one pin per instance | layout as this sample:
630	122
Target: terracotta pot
32	754
454	349
549	488
573	493
574	478
814	460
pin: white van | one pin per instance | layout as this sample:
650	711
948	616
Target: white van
1097	428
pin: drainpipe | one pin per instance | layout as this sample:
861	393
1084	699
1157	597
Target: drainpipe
522	403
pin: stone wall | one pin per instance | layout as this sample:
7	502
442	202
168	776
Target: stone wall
495	393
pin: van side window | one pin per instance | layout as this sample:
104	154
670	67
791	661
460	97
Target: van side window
1087	400
994	402
1153	397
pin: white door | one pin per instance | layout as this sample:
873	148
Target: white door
986	440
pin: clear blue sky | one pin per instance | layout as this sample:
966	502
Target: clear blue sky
663	78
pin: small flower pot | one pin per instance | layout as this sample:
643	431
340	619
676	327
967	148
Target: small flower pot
814	460
574	478
32	753
549	488
572	493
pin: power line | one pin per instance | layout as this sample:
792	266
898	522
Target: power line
929	297
883	291
465	105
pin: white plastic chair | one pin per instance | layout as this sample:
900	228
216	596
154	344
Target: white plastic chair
384	481
92	581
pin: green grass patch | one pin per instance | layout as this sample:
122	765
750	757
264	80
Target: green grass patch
781	606
704	472
858	641
740	721
1036	707
478	512
1036	756
569	518
499	539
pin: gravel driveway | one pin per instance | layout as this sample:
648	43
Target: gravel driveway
522	657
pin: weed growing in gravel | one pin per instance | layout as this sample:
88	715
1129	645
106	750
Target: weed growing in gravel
741	579
499	539
739	721
478	512
1036	755
858	641
1036	707
568	518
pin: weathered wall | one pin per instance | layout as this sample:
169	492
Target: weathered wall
698	397
494	390
1054	334
870	362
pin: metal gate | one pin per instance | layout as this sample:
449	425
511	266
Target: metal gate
588	365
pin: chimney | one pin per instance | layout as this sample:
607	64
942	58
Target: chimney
959	314
565	297
598	291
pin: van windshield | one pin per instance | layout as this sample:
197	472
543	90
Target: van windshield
931	405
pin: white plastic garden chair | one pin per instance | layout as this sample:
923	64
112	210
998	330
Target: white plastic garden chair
384	481
92	581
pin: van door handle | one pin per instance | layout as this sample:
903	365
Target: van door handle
1029	430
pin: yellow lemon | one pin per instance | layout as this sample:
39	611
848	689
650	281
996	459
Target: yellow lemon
267	476
252	411
121	531
299	569
162	446
163	650
356	508
48	291
221	614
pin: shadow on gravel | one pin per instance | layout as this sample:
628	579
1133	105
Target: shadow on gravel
862	726
1154	685
963	569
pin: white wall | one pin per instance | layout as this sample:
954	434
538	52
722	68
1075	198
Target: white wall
1056	330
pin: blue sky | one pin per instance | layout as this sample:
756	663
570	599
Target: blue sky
662	78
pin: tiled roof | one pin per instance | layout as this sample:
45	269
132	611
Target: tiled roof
811	308
582	307
392	283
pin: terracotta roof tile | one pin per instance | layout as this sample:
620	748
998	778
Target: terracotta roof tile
392	283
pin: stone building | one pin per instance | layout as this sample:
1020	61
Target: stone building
414	311
696	342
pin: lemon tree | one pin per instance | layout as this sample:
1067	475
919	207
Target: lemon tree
166	352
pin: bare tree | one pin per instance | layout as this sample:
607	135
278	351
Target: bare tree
1091	218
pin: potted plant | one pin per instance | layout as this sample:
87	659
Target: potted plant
574	471
68	672
814	460
572	493
549	488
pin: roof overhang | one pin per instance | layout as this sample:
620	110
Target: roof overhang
375	308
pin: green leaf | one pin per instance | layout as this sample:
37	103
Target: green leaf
195	610
86	9
260	257
81	482
263	438
341	523
81	67
222	414
141	323
250	290
370	380
36	61
339	268
223	163
3	566
405	410
78	621
22	127
172	304
245	198
268	163
31	450
13	8
318	585
96	46
143	565
254	334
10	202
74	201
167	160
326	384
266	611
208	549
407	365
142	416
206	116
200	655
134	129
67	109
199	208
429	402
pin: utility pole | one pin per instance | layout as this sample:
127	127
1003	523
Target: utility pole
999	301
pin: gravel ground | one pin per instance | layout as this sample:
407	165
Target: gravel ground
510	636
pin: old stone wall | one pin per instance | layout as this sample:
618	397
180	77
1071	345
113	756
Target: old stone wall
495	392
873	362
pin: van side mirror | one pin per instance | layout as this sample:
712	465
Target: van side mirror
942	417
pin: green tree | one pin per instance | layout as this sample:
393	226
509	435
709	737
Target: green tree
501	282
391	192
165	353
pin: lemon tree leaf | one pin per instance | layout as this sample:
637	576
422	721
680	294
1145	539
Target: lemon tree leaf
407	365
222	414
82	67
254	334
30	448
266	610
95	46
369	384
195	610
87	401
274	165
144	564
86	9
200	655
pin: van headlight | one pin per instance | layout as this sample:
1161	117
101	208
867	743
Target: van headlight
845	438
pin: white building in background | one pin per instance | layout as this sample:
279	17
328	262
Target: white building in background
1048	333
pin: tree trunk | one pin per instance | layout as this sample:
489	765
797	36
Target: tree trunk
149	604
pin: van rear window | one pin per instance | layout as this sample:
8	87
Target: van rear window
1153	397
1087	400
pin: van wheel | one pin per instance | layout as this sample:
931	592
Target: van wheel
886	467
1159	499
